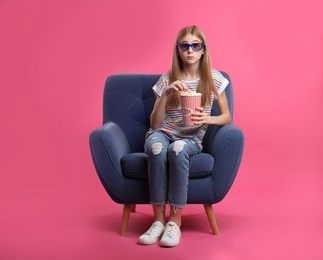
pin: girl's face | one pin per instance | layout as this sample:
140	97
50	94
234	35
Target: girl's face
190	56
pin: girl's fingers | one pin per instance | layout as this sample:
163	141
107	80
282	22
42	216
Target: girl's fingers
200	109
180	86
184	86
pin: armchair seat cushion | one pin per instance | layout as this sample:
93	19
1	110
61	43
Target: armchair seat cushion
135	166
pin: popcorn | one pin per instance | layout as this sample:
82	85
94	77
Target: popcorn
190	93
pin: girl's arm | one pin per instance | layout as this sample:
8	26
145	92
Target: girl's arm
223	119
157	115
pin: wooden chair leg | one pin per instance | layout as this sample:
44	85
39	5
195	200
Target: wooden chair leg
127	208
133	207
210	214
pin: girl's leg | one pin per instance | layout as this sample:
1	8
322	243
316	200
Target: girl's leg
179	153
159	213
172	233
156	148
176	215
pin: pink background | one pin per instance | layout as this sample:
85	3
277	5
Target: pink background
54	59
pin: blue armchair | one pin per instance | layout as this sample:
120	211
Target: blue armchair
117	148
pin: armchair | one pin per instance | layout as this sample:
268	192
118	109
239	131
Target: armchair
117	148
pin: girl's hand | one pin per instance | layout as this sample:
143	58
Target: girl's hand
200	117
175	87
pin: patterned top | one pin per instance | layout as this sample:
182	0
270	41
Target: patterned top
172	124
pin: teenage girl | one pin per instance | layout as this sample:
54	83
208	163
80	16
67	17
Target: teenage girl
170	144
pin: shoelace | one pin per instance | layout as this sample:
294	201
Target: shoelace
152	229
170	230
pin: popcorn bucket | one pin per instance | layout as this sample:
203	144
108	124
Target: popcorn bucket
189	102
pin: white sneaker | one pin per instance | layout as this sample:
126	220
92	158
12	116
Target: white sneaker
171	236
153	234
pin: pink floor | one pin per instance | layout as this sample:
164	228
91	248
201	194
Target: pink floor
261	218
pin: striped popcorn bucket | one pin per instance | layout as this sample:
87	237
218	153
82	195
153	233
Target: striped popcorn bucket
189	102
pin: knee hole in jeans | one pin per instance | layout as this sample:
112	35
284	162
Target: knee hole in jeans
156	148
178	146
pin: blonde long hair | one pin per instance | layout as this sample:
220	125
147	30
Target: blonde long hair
206	84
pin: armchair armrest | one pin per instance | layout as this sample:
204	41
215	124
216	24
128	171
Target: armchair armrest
108	144
226	146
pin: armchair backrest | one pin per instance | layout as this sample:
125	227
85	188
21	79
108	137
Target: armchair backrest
128	100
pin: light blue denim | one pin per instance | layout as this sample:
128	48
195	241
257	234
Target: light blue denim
168	168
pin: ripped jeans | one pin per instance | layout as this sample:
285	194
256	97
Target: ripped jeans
168	168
